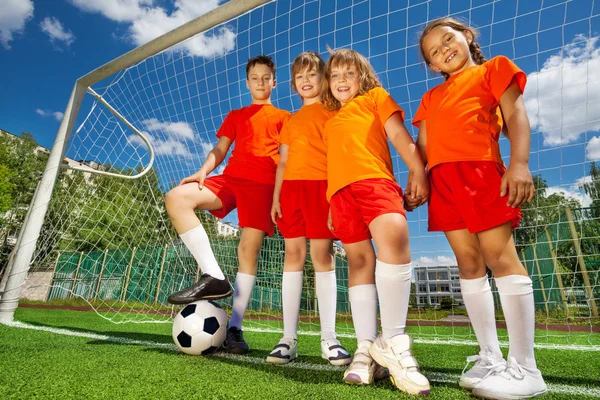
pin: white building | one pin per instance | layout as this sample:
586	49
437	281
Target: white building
227	229
432	284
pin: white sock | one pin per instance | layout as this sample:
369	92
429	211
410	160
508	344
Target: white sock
196	240
363	304
291	293
516	296
327	296
393	289
479	302
243	286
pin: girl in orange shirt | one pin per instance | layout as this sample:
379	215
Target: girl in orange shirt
300	211
459	125
366	203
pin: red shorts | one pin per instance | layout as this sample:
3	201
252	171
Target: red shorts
354	206
252	199
304	210
466	194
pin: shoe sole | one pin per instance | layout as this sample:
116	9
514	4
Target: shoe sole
279	361
467	384
381	361
188	301
503	396
354	379
338	363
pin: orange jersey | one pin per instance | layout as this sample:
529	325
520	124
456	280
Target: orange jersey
303	133
357	146
463	122
255	131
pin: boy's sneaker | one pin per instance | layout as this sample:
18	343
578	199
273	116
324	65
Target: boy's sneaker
334	352
207	288
234	341
394	354
285	351
485	364
362	368
513	383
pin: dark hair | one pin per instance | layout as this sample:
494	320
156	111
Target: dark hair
367	78
310	60
262	59
474	48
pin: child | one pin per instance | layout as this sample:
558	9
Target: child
366	203
300	211
246	183
459	125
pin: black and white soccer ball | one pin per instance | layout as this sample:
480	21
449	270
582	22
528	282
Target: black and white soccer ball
200	328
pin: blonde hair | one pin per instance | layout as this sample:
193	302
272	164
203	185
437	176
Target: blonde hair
367	79
474	48
310	60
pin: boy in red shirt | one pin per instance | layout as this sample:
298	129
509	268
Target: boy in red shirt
246	184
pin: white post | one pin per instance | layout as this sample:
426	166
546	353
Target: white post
39	206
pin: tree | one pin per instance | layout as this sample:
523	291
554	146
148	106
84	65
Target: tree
592	189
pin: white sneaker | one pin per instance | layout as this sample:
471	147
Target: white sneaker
485	364
361	369
394	354
285	351
513	383
334	352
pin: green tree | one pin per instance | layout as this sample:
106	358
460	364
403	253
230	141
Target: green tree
592	189
7	188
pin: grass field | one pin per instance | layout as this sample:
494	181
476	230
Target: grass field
73	354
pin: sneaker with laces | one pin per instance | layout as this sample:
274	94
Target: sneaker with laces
334	352
284	352
513	383
234	341
362	368
394	354
485	362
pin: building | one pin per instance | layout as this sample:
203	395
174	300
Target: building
227	229
432	284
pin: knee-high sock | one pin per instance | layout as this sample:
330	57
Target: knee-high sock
291	293
196	240
393	289
516	296
327	296
243	286
363	303
479	302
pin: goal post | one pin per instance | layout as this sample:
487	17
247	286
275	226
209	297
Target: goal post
39	204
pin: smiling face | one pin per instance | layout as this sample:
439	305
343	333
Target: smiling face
447	50
260	82
308	85
344	82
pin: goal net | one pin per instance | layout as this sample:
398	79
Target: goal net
107	242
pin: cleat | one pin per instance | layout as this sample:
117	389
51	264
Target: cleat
234	342
362	368
284	352
394	354
207	288
513	383
334	352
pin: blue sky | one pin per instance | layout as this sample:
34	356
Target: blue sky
46	45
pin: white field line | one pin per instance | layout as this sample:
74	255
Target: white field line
433	377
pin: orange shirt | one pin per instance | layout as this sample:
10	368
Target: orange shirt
463	122
255	131
303	133
357	146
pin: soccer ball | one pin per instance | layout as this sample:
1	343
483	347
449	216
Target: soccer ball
200	328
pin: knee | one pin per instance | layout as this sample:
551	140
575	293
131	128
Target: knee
322	259
471	264
295	254
248	249
173	200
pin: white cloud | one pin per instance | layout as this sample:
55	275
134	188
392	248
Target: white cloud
176	129
169	146
435	261
13	16
563	98
147	21
55	30
593	149
572	192
45	113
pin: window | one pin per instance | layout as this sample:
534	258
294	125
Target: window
433	287
422	287
443	276
422	299
434	300
444	287
421	275
432	276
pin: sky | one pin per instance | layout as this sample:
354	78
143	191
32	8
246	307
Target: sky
178	99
